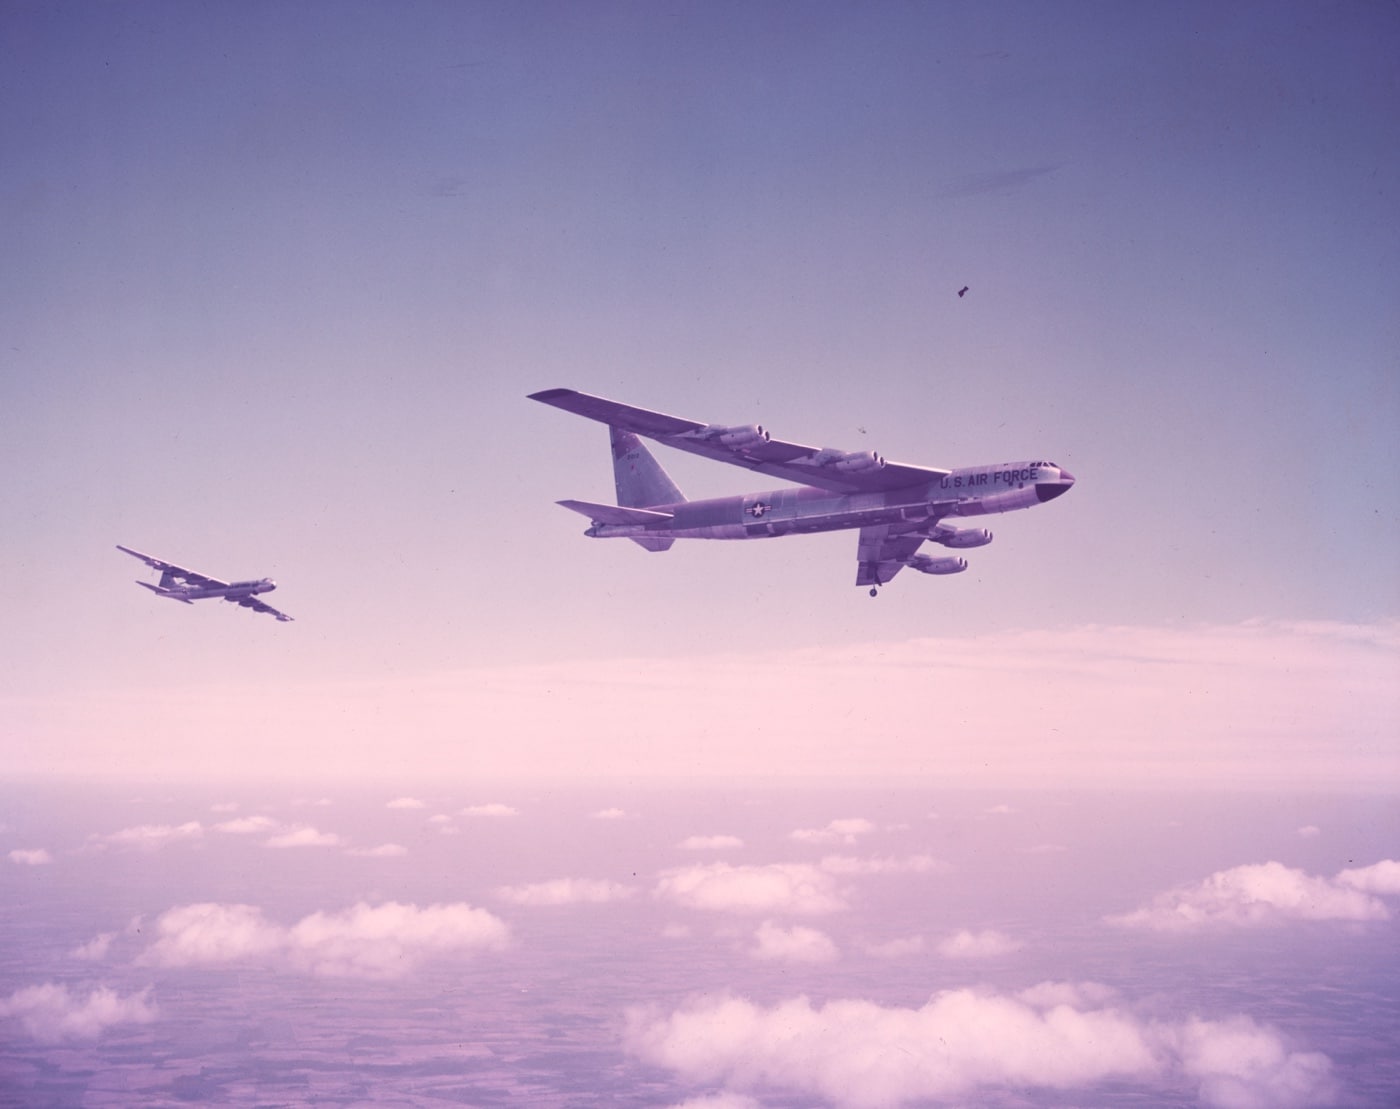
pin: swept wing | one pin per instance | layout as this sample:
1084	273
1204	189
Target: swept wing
749	447
881	554
258	606
169	570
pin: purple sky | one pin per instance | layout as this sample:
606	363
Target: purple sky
277	279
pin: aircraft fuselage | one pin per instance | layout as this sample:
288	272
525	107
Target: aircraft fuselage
231	592
972	491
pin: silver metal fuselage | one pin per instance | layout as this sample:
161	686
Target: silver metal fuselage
231	592
973	491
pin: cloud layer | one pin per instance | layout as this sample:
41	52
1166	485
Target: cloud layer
710	843
50	1013
365	941
798	888
1269	893
566	891
493	808
859	1055
150	837
844	830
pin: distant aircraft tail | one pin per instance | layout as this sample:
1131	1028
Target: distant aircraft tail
160	591
641	482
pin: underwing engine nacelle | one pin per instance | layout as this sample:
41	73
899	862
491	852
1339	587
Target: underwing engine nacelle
848	462
926	564
746	436
960	538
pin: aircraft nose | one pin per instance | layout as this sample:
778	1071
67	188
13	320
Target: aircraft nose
1049	490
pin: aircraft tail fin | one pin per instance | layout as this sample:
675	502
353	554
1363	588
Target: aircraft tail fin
641	482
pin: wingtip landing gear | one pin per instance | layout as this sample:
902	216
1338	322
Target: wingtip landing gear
874	592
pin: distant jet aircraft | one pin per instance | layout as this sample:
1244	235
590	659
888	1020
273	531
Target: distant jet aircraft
963	291
897	507
180	584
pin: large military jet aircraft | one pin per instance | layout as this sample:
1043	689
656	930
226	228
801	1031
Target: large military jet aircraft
180	584
897	507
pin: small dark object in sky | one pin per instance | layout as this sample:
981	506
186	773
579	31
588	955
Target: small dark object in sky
962	290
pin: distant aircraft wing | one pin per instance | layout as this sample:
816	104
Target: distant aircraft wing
881	555
258	606
170	570
749	447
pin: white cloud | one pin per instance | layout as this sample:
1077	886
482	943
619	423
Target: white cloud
977	945
859	1055
304	835
846	830
610	814
406	803
710	843
224	806
1241	1065
1259	894
389	940
95	950
910	864
1309	831
718	1101
383	851
210	932
797	944
494	808
777	887
30	856
440	820
246	825
150	837
50	1014
1382	877
566	891
365	941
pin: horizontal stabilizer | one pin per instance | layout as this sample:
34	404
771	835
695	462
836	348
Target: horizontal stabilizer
159	592
616	514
